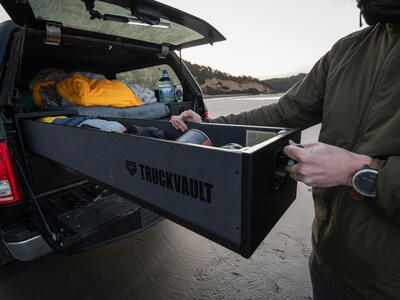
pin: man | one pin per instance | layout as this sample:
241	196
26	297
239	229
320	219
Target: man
354	90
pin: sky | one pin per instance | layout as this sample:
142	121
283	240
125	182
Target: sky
268	38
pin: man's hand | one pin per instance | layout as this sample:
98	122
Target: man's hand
322	165
188	116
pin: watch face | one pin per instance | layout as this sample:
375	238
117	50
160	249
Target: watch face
365	182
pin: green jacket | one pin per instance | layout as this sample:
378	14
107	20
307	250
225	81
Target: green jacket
354	90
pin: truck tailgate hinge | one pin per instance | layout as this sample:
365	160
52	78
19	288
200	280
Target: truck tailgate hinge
53	34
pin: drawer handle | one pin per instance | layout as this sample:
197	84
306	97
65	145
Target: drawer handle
281	161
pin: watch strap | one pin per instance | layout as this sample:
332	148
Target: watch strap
376	164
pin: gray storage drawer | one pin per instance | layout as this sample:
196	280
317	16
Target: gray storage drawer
228	196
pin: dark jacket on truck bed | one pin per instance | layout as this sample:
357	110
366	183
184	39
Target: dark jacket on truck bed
354	90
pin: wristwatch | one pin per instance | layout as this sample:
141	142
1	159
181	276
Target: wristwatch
365	181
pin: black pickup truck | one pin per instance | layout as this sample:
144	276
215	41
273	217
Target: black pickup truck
65	189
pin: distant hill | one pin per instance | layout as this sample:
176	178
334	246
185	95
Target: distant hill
281	85
215	82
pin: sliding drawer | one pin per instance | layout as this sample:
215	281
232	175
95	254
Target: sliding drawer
231	197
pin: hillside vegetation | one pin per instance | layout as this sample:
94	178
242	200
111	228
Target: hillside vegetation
215	82
281	85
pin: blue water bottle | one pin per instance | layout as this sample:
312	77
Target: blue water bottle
166	88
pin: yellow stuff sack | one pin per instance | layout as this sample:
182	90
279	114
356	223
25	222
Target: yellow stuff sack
51	119
101	92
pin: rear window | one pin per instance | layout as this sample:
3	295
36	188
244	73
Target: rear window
73	14
148	77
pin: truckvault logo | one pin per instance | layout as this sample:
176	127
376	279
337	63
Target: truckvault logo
131	167
180	184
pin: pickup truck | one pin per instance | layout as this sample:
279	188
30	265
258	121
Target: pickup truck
65	189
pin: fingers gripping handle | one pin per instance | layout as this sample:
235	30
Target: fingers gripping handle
282	160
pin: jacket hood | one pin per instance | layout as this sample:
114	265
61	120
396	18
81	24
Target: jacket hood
380	11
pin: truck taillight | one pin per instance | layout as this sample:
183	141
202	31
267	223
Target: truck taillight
206	115
9	190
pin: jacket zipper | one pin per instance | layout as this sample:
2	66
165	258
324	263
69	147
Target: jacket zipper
374	92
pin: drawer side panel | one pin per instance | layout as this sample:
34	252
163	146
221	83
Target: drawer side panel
198	187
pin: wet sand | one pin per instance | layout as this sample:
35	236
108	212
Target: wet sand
170	262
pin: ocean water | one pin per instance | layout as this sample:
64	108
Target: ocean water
249	97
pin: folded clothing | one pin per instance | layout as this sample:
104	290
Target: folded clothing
150	111
103	125
74	121
63	120
85	122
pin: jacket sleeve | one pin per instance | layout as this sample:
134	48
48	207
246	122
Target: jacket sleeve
377	239
388	197
300	107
